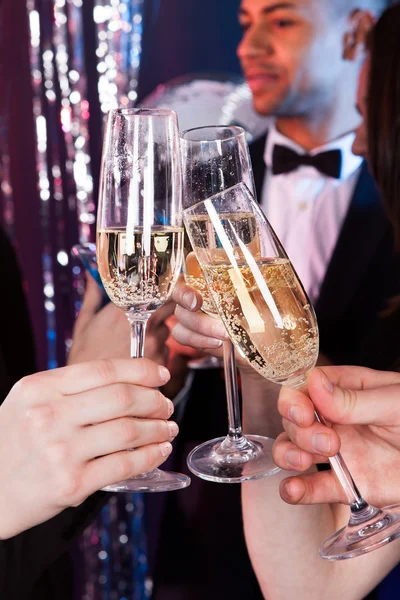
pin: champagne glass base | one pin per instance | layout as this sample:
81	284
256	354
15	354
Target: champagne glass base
355	540
225	461
156	481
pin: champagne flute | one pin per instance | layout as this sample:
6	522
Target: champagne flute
206	154
272	324
215	158
140	233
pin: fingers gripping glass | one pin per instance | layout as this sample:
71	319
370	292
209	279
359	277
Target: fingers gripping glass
140	233
272	324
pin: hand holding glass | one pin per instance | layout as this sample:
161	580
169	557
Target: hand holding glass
140	233
272	324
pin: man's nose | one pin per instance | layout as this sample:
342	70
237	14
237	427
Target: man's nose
255	42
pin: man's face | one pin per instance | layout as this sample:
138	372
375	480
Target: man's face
360	144
291	54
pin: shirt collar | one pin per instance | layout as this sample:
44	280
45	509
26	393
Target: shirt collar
350	162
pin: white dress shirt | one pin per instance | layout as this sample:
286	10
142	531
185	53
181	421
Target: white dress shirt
307	209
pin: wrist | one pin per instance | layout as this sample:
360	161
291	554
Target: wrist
260	405
255	382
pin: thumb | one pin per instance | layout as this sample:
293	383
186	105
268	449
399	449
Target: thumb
91	303
354	405
187	297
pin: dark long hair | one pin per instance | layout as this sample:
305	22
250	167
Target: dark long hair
383	112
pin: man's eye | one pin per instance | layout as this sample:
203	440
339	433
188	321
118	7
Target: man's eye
283	23
244	26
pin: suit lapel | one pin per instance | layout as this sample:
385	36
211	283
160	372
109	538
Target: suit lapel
257	159
362	230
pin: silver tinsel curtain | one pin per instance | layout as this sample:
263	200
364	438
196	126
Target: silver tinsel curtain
84	59
64	64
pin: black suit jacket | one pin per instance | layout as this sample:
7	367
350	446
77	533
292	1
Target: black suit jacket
363	273
34	565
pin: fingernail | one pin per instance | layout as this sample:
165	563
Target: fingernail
165	448
214	343
171	407
164	374
296	415
286	491
321	442
328	385
190	300
173	429
220	331
293	458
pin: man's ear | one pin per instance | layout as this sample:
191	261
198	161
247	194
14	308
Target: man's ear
354	40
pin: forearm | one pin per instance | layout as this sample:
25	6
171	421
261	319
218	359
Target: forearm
283	543
260	412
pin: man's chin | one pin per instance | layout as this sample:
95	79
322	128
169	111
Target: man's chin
266	107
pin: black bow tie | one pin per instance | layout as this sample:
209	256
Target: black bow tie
285	160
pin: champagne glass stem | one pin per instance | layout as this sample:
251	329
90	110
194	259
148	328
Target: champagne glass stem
232	393
344	476
138	331
360	509
138	325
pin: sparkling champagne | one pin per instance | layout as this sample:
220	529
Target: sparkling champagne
244	225
267	315
195	278
138	270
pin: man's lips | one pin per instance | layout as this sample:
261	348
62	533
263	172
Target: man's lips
259	80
